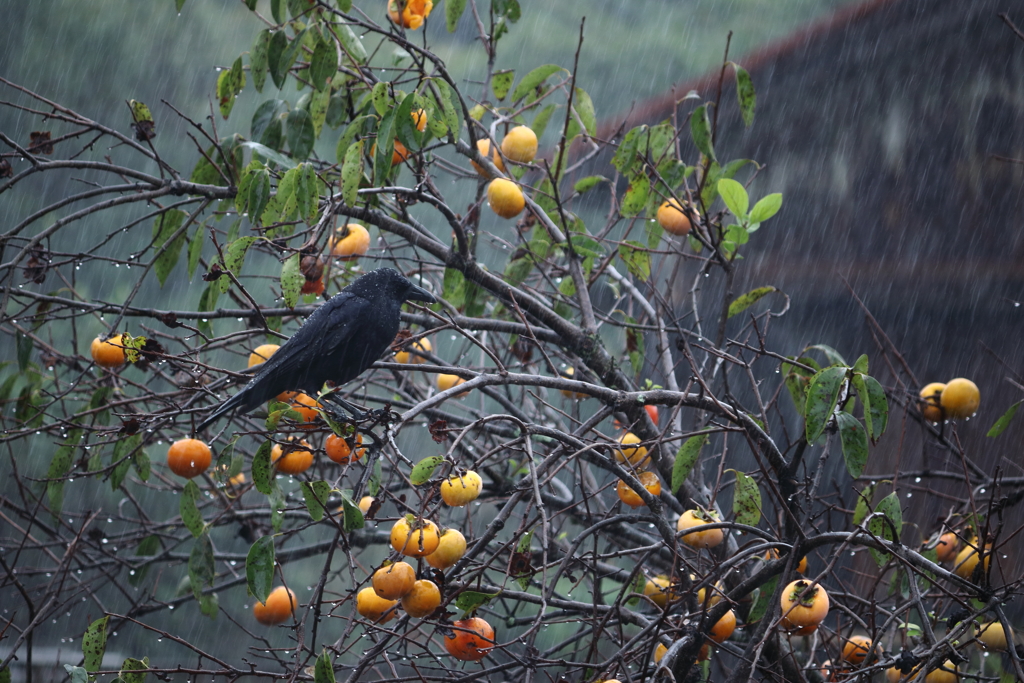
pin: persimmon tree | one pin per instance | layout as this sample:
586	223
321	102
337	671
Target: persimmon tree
579	355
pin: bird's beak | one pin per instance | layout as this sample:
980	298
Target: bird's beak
420	294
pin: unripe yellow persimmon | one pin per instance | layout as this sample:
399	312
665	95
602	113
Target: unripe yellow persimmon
350	242
450	549
461	489
417	539
505	198
673	218
960	398
634	455
967	560
700	539
946	674
484	147
658	590
446	382
568	374
992	636
520	144
931	405
108	353
420	345
262	354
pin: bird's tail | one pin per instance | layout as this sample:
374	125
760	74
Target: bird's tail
225	408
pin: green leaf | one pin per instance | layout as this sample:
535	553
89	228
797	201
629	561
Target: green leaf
746	500
78	674
636	588
60	465
229	84
745	95
234	257
259	195
686	458
700	129
94	644
195	250
855	443
468	601
149	546
130	664
318	105
636	195
352	173
208	605
890	508
259	568
735	197
307	192
379	97
258	59
584	107
190	515
299	128
323	670
822	395
351	42
277	503
1004	421
765	208
164	228
857	380
315	495
452	12
589	183
353	516
453	288
424	469
541	120
276	48
878	408
200	565
292	280
323	65
385	148
636	258
452	113
761	602
863	506
373	486
625	157
262	472
833	356
24	350
750	298
534	79
501	82
280	159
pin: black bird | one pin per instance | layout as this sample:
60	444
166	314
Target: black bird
338	341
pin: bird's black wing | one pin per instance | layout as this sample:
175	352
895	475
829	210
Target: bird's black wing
299	363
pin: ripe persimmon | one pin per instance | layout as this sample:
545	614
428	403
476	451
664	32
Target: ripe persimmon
630	497
461	489
414	537
947	547
673	218
471	639
856	649
700	539
409	13
279	607
723	628
659	590
394	580
803	604
296	460
422	599
338	449
189	457
373	607
634	455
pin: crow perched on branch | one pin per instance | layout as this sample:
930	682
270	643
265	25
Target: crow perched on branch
338	341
